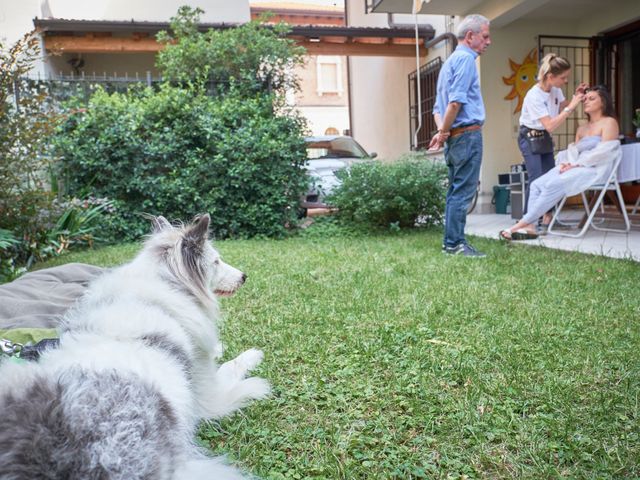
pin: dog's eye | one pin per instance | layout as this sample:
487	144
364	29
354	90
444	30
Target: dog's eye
216	261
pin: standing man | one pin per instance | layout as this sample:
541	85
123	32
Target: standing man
459	115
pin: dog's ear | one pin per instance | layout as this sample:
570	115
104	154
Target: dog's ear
160	223
199	231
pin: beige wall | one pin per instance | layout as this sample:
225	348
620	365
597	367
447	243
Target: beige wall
16	18
623	12
380	104
308	95
111	65
379	90
329	110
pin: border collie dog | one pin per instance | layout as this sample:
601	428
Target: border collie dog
134	373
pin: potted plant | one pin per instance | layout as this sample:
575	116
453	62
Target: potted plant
636	122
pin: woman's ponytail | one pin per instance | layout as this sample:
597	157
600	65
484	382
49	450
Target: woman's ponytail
554	64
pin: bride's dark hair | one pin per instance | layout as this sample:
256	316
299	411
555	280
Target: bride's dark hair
607	102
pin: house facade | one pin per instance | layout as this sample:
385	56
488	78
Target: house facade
601	39
323	98
111	39
108	39
110	55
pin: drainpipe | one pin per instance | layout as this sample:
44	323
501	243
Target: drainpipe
445	36
348	62
393	24
419	127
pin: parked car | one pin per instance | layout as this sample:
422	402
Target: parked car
325	156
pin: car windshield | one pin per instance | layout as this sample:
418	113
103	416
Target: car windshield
340	147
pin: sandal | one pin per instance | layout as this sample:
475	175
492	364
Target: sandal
523	235
505	235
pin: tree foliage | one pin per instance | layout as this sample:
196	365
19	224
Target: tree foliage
34	222
26	121
180	150
251	58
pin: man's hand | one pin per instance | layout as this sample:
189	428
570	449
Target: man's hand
437	142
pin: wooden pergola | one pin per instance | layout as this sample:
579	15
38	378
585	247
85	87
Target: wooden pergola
89	36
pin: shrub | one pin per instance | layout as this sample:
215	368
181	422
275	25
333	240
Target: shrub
405	193
175	153
26	121
252	58
235	152
29	208
46	226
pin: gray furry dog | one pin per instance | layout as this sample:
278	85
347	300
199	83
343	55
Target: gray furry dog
134	373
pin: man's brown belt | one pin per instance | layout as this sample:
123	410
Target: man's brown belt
460	130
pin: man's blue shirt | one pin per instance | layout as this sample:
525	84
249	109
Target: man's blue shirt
458	82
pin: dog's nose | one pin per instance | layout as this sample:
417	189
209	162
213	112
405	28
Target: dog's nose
244	277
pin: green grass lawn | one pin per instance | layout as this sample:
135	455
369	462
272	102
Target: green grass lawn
390	360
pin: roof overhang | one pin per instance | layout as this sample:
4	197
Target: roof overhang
432	7
503	12
498	12
91	36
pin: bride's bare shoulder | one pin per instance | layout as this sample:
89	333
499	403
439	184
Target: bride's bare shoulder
610	128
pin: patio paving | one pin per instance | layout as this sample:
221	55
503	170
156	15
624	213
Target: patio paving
609	244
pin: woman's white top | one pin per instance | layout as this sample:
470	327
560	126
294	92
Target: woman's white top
538	104
595	163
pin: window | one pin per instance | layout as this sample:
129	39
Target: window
329	74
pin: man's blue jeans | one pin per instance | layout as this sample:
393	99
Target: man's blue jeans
463	155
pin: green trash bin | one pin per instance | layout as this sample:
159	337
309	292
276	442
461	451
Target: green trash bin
500	198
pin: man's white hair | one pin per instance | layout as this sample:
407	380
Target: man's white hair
471	23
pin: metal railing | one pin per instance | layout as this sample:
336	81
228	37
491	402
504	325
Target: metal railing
428	78
60	87
578	51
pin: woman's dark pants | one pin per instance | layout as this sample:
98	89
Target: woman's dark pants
537	164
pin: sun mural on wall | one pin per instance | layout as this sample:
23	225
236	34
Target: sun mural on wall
522	78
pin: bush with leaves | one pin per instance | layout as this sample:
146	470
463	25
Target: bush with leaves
26	121
177	154
178	150
408	192
35	223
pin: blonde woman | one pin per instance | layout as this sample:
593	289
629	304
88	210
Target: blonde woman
584	163
544	109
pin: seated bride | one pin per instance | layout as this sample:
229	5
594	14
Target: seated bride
586	162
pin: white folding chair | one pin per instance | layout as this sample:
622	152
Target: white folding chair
636	206
601	188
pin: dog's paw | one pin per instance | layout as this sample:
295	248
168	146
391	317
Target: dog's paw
249	359
218	350
238	368
256	388
226	398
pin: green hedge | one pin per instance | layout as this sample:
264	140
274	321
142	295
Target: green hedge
177	153
408	192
